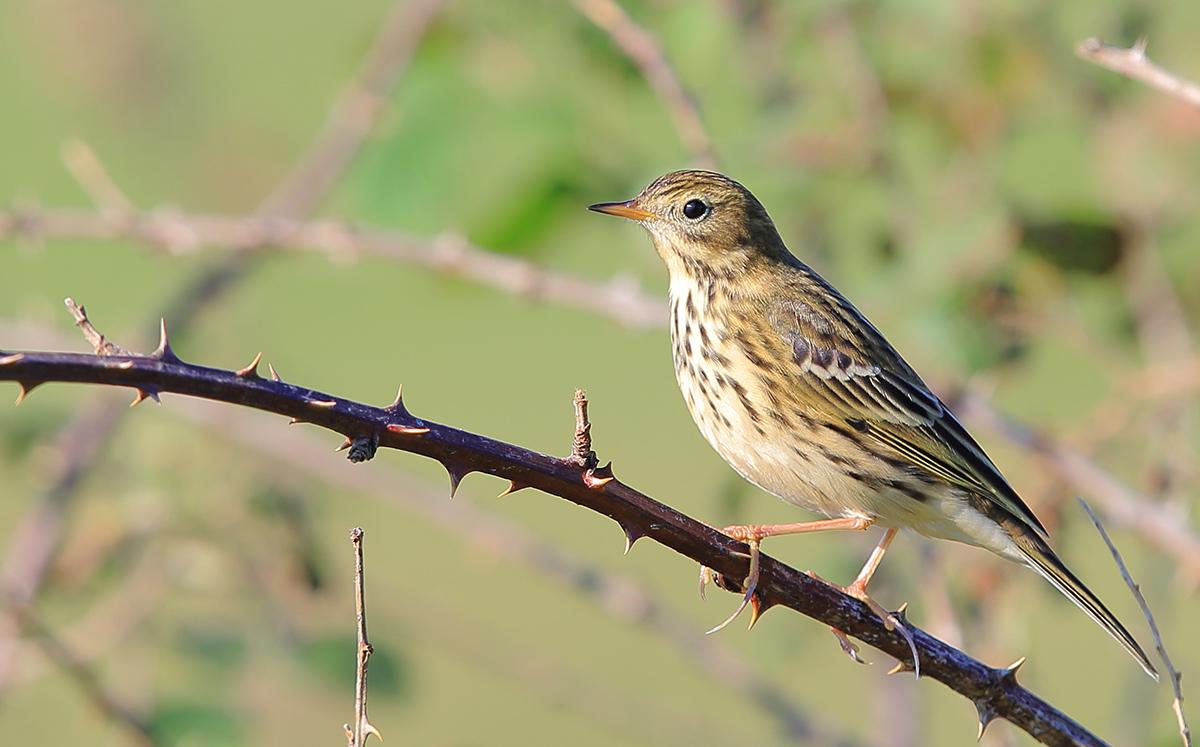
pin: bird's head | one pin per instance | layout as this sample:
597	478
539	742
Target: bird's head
702	221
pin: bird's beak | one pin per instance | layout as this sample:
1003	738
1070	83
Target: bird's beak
623	210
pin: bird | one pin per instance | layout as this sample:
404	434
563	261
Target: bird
806	399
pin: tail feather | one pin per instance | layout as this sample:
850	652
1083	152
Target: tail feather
1043	560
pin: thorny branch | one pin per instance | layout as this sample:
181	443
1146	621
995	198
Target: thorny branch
620	596
995	692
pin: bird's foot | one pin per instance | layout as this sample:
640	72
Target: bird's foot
858	590
750	585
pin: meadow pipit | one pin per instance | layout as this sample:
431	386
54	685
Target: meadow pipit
806	399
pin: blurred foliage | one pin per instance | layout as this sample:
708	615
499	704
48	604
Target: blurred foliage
1013	218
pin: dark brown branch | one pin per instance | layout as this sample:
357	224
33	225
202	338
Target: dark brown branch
995	692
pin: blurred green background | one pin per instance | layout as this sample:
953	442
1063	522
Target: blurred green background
1019	223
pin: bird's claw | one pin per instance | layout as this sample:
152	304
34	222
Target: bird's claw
848	646
750	584
890	621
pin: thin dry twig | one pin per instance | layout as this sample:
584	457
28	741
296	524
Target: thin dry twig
581	444
357	736
1135	65
1176	677
98	341
621	298
645	52
90	173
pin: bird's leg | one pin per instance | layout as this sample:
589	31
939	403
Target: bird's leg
858	590
753	534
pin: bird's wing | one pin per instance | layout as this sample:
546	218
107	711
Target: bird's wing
838	355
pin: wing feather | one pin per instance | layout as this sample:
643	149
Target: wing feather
863	378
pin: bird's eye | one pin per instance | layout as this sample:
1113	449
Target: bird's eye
695	209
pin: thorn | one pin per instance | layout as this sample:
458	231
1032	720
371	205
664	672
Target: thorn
901	666
274	376
1008	675
163	352
632	534
986	716
410	430
345	445
706	578
26	388
598	476
251	371
513	486
1139	47
757	608
6	359
295	420
145	394
398	403
457	473
370	728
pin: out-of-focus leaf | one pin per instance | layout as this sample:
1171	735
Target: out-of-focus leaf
195	724
333	659
1074	245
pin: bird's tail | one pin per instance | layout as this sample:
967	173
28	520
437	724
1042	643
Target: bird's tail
1043	560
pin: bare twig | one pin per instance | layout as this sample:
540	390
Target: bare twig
1134	64
645	52
98	342
620	298
357	736
1176	677
87	169
581	444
